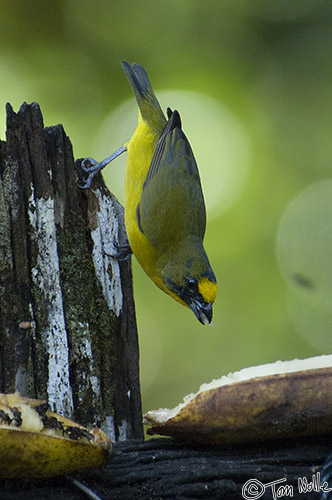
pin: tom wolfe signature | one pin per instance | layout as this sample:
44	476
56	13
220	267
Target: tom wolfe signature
253	488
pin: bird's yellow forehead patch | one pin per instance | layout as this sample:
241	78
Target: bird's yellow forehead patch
208	289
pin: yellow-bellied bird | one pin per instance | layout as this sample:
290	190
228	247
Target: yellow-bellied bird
165	215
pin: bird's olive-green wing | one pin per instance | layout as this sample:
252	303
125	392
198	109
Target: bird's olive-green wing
172	204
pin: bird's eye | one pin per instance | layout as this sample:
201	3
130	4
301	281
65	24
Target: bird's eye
191	284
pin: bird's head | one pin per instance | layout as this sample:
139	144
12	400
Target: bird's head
199	295
191	281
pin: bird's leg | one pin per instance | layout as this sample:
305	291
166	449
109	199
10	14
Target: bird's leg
92	167
123	252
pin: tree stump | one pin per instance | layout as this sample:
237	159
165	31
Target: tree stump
67	317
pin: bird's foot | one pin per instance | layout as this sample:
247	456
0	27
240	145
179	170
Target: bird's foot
92	167
122	252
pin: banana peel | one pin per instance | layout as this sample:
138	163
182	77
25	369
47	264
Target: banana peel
267	402
35	442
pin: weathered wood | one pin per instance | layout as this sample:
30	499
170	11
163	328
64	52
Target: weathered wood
57	274
163	469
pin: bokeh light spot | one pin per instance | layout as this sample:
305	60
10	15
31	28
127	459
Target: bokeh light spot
220	143
304	255
305	242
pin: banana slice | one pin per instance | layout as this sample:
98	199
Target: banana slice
35	442
271	401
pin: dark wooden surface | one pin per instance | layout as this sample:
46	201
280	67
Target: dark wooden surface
59	279
163	469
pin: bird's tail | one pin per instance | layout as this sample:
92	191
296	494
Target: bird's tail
147	102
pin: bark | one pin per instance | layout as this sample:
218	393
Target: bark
165	469
67	315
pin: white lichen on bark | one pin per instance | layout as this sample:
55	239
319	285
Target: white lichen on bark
109	428
123	431
46	276
83	352
105	238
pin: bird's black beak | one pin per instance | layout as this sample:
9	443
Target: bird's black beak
202	311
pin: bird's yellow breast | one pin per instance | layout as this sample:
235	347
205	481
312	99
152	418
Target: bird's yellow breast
140	150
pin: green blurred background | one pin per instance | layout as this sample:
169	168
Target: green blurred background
252	81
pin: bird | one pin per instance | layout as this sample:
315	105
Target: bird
165	214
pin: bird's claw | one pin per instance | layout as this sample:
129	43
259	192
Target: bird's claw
93	164
93	168
123	252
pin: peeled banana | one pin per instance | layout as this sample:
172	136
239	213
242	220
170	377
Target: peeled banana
273	401
35	442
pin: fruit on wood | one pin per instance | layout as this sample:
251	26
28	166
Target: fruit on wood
35	442
273	401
